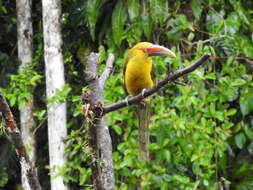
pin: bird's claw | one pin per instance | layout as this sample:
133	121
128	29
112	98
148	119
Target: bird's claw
143	92
127	103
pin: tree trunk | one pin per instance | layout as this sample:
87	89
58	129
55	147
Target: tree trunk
99	136
143	112
17	141
25	44
57	129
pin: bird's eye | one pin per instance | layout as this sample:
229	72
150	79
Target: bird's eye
144	50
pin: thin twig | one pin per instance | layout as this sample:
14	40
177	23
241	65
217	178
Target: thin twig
206	41
237	58
180	83
107	70
18	143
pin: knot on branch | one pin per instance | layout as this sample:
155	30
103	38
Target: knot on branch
86	97
90	76
91	109
98	109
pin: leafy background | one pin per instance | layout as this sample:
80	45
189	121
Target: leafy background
201	134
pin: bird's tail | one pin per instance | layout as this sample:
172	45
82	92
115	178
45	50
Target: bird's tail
143	111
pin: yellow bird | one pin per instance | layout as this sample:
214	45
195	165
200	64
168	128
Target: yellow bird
138	66
137	77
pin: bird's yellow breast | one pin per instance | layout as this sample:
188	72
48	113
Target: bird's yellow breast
138	73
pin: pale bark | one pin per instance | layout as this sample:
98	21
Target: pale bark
99	136
57	129
17	141
25	32
143	112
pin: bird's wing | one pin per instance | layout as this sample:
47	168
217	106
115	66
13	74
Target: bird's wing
124	72
153	73
127	60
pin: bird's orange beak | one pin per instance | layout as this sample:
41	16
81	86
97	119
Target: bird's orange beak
157	50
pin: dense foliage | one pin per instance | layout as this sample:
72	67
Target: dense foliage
201	133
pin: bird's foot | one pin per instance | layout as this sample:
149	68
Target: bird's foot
126	100
143	92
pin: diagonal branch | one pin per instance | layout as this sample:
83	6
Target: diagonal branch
208	40
108	69
18	143
169	78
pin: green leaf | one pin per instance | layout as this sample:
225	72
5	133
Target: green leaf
153	146
13	101
233	23
250	148
190	36
240	140
230	60
241	11
147	24
215	21
205	182
117	129
4	177
159	11
238	82
133	9
246	105
167	155
93	10
194	157
40	114
223	162
248	132
3	10
231	112
245	45
212	109
125	172
174	34
200	46
84	175
128	161
184	23
196	184
211	76
211	49
196	8
181	179
119	16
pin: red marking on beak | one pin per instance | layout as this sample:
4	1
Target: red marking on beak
151	50
157	50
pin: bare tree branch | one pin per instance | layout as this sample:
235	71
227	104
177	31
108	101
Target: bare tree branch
18	143
207	40
99	137
180	83
108	69
91	70
169	78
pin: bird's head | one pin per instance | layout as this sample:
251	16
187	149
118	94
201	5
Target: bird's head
153	50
